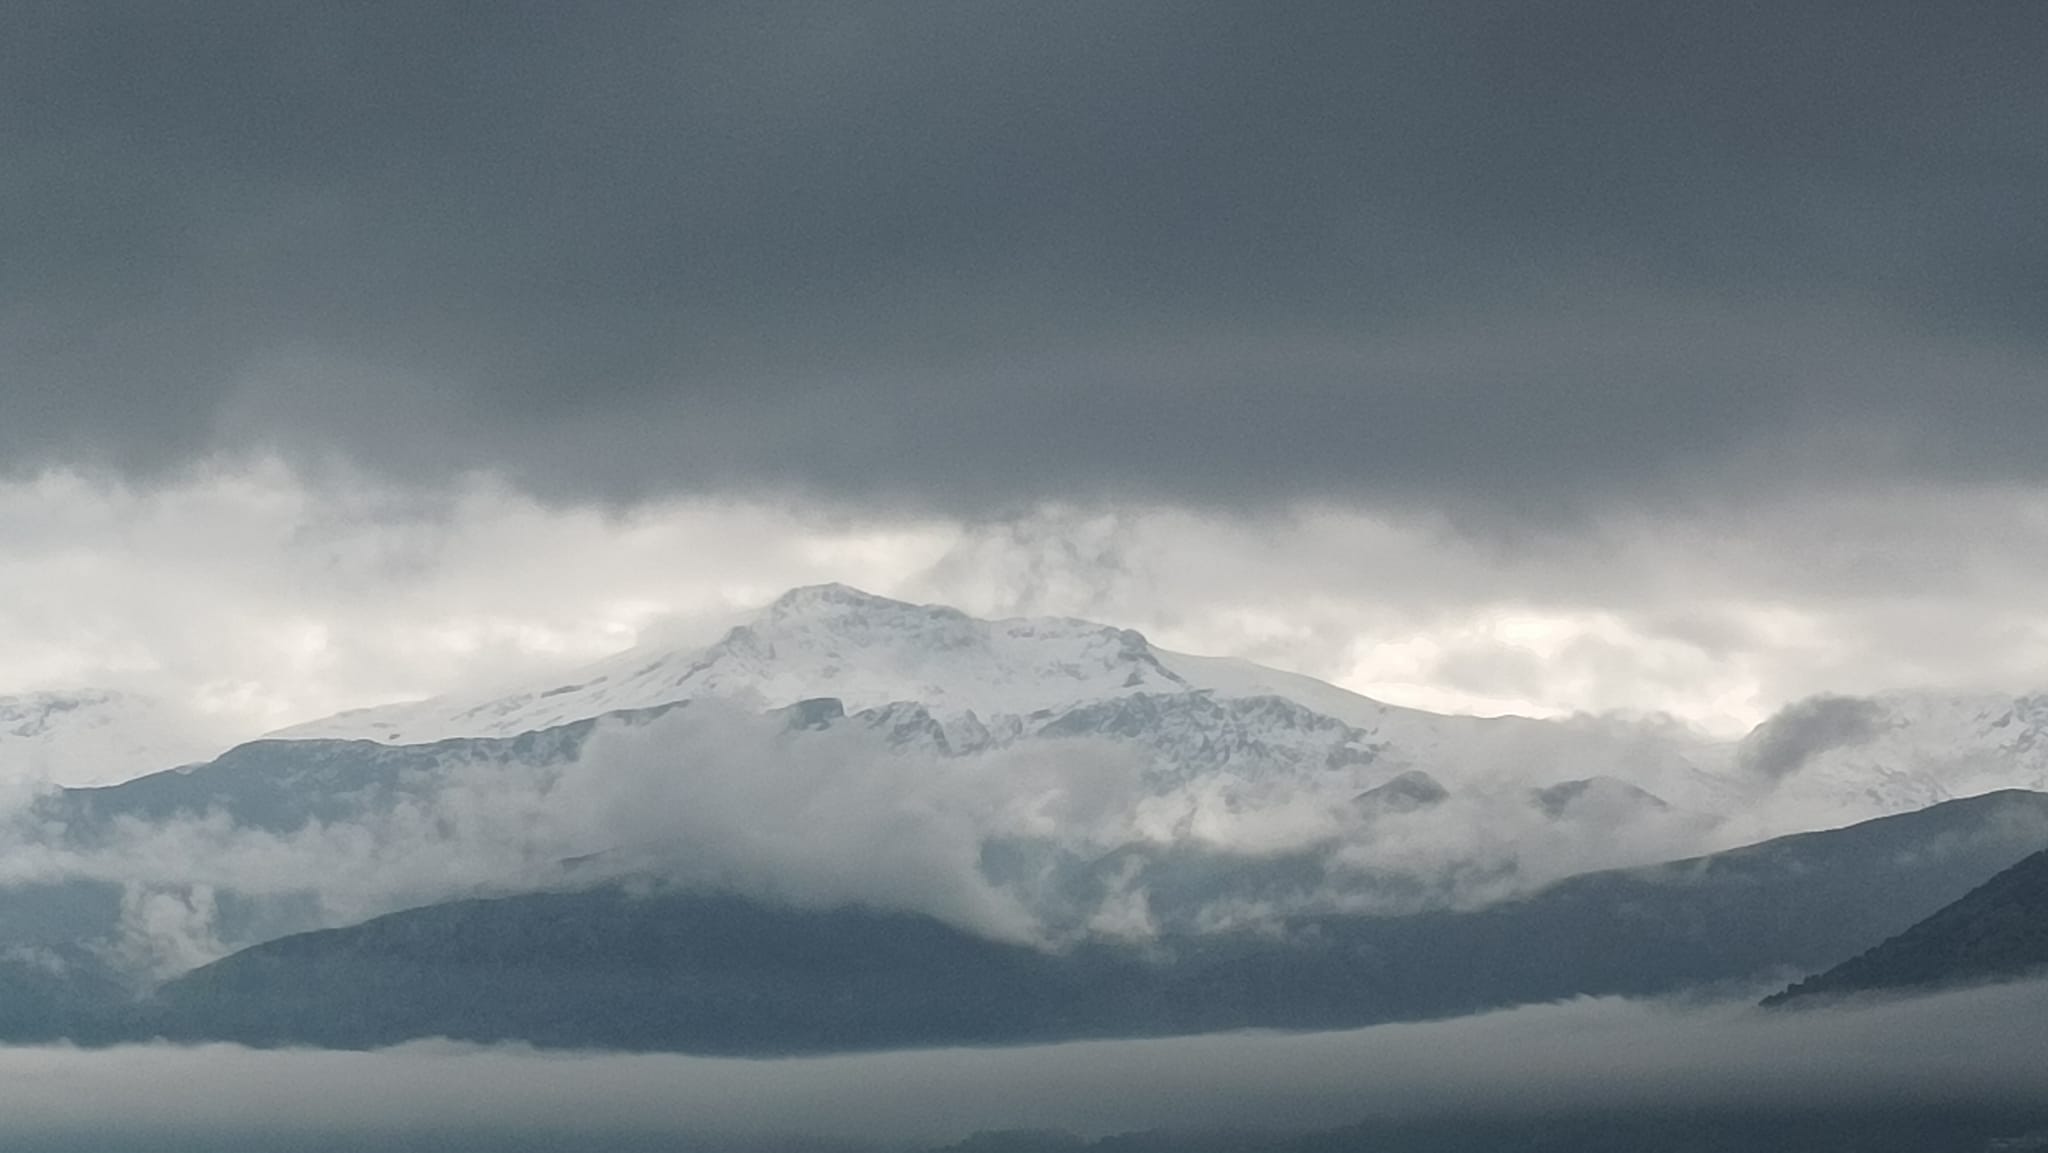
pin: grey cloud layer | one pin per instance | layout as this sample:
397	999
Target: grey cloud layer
1974	1047
973	254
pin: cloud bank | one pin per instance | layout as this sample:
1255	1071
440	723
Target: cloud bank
1042	842
1972	1048
972	256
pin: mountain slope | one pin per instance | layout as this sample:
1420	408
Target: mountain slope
1998	930
646	966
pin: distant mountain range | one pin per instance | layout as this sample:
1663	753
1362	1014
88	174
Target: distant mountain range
1817	763
1085	835
963	684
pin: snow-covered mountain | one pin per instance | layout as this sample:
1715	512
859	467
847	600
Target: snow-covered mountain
824	641
980	682
1041	777
939	676
94	736
1246	738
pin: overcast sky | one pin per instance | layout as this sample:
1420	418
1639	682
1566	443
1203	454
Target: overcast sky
1494	355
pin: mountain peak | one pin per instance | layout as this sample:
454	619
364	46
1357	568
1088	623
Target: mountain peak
844	609
831	596
827	640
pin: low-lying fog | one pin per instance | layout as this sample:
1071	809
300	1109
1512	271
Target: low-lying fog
1982	1045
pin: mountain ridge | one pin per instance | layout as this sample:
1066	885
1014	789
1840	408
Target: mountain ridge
1997	931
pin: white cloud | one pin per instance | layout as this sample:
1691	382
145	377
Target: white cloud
715	798
251	597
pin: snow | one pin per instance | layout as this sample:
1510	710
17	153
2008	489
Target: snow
823	641
95	737
870	651
1230	677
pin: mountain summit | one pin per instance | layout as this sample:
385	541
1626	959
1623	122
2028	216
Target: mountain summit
829	641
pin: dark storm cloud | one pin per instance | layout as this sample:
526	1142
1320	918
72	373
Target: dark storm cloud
971	253
1804	729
